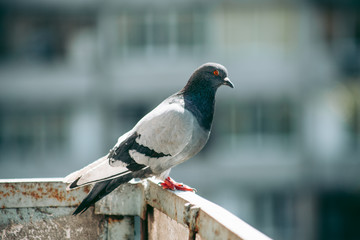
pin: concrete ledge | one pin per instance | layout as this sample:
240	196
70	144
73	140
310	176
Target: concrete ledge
162	212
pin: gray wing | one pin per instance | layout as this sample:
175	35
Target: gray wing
162	135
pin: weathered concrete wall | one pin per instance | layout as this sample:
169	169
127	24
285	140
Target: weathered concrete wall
51	223
42	209
161	226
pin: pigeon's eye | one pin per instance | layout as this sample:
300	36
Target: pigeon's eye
216	73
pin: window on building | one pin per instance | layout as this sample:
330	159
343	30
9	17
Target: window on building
258	117
136	30
341	33
186	34
275	214
28	133
160	31
38	35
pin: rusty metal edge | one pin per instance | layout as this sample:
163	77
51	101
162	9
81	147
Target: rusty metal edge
30	180
39	192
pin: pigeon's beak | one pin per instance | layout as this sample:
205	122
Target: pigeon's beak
227	82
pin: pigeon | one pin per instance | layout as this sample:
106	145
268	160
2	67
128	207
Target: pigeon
174	131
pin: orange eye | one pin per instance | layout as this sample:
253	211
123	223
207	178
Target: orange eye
216	72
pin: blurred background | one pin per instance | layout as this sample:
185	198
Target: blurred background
284	154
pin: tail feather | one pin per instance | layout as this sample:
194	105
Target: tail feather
98	171
75	175
100	190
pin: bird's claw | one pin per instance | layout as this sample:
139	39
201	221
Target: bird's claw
172	185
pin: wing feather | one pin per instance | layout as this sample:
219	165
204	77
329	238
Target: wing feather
167	130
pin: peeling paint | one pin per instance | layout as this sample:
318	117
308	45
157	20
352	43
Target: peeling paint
59	224
67	232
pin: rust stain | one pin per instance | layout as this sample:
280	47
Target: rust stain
155	202
4	194
175	208
54	193
10	190
34	195
196	229
197	219
112	220
39	191
87	189
10	187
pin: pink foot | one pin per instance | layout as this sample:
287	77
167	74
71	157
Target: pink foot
172	185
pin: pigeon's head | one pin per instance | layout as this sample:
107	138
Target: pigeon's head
209	76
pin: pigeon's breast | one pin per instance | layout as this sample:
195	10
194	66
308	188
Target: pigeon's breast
198	140
170	130
193	145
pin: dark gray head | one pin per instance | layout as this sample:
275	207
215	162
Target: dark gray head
199	92
208	76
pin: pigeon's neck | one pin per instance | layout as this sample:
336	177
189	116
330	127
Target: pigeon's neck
201	103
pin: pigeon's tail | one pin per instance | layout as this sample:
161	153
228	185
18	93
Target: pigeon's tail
98	171
75	175
100	190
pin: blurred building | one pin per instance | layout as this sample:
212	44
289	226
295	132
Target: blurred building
284	154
